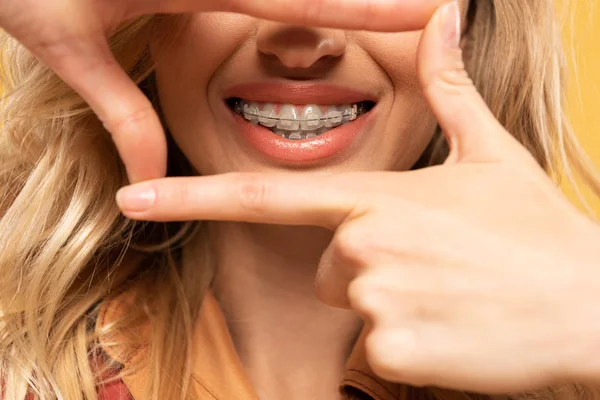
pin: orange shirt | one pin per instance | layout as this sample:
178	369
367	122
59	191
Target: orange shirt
218	373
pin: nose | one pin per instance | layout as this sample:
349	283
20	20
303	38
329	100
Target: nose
298	46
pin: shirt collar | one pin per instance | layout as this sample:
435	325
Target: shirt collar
218	373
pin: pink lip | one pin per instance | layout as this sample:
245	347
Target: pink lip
306	151
297	93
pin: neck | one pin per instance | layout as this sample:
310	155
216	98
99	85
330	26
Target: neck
291	344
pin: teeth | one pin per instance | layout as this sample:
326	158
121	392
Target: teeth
251	112
289	118
295	125
268	116
347	112
333	117
311	118
281	133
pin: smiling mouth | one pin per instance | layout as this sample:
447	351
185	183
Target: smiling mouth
294	122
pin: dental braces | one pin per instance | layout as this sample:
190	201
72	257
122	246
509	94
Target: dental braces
360	109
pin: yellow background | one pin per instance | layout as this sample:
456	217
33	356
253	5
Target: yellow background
582	39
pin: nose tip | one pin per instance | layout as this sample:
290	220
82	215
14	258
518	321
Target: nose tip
299	46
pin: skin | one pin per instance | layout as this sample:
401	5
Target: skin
70	36
435	289
264	271
476	275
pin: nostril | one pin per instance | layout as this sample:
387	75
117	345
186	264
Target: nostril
298	47
297	59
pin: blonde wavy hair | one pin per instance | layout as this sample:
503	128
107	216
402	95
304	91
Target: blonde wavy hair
65	248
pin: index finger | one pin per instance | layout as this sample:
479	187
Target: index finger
286	199
371	15
87	64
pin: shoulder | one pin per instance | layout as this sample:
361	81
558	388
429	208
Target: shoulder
122	327
122	333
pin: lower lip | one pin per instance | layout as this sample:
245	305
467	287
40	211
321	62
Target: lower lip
327	145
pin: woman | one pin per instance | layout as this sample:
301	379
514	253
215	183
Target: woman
226	309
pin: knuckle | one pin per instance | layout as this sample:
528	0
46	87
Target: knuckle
50	47
365	295
382	356
167	196
355	245
254	194
452	80
391	358
66	51
49	38
183	194
126	124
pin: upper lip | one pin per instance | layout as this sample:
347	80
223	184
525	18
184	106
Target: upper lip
298	93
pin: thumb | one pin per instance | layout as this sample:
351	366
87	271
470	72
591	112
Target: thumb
472	131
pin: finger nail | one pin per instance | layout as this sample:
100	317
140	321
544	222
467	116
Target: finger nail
136	198
451	24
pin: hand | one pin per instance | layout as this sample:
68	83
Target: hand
71	37
475	275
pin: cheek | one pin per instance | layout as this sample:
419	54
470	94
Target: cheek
185	65
396	55
410	120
